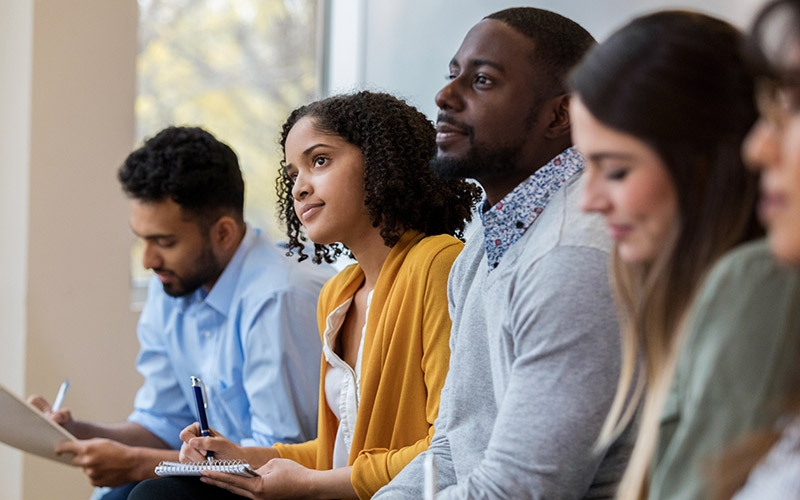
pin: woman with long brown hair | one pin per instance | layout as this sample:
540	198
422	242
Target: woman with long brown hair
659	111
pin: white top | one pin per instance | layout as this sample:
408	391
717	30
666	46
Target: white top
342	383
778	474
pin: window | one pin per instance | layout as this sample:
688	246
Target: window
236	68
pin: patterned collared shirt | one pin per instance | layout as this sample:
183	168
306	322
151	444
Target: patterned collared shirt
507	221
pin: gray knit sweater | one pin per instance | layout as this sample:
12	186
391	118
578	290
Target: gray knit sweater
533	369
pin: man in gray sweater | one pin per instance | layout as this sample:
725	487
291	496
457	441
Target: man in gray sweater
535	342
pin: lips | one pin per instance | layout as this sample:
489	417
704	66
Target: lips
307	210
164	276
447	134
448	128
617	231
770	204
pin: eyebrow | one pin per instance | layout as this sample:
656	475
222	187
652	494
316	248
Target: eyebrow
151	237
609	155
479	62
306	152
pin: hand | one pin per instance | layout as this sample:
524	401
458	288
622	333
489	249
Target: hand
195	446
106	462
61	417
280	478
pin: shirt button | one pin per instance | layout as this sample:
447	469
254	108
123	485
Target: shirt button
207	334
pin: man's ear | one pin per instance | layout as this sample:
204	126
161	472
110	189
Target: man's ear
225	234
559	125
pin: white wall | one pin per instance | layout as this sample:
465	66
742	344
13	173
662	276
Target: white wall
409	43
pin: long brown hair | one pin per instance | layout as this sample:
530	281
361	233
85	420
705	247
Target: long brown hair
775	27
676	81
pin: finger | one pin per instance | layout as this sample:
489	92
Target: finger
190	454
189	432
68	447
39	403
61	417
233	483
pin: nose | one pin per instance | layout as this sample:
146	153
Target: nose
761	147
151	259
301	187
449	97
593	197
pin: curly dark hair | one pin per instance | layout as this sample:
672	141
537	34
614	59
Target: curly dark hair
402	192
189	166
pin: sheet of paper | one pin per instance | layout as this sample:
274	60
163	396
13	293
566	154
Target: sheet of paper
24	427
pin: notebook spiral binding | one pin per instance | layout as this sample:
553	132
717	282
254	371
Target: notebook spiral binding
195	468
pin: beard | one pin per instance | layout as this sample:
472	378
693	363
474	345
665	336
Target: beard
205	269
485	161
480	162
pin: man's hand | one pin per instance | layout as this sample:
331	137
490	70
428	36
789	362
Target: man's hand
61	417
106	462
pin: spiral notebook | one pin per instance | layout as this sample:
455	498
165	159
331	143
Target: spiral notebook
194	469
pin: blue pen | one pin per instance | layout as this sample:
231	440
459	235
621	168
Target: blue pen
199	388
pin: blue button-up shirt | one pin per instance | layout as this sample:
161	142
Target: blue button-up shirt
252	339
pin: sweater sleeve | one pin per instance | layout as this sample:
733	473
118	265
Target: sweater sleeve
304	454
374	468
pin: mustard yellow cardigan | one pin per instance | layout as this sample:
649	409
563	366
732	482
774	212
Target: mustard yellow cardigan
404	362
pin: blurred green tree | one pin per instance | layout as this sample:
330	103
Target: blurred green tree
236	68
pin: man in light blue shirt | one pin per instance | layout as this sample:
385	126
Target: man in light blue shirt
225	305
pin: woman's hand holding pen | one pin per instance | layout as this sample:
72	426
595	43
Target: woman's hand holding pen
195	446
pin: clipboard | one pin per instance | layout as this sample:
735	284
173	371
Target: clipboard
24	427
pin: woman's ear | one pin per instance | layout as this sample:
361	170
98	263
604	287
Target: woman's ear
559	125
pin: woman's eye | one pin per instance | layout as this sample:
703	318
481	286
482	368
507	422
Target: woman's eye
320	161
616	174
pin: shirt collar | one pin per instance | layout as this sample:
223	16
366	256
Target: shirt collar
221	294
506	221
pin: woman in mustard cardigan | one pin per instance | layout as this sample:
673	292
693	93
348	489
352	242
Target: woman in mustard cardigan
356	178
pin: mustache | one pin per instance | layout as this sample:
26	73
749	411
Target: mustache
445	118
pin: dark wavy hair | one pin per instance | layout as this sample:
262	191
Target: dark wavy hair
402	192
189	166
559	42
678	82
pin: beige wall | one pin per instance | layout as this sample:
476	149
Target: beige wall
67	91
15	69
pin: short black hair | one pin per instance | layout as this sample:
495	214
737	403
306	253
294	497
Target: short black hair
189	166
397	142
559	42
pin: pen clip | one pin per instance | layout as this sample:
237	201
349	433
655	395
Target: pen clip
198	382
